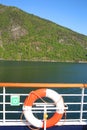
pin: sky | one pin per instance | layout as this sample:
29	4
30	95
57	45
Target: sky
68	13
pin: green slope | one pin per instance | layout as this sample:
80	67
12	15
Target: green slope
25	36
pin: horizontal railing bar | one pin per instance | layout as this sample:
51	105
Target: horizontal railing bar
10	112
13	111
8	103
71	103
68	103
40	110
16	120
75	103
73	111
35	111
9	94
71	95
45	85
12	120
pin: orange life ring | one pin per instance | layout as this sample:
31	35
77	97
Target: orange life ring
40	93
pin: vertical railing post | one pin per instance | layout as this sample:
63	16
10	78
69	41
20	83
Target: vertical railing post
45	117
82	103
3	104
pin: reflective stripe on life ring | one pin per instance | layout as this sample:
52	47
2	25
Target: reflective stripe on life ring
40	93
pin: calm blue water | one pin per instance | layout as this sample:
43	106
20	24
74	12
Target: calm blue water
12	71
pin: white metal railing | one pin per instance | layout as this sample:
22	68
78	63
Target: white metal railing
10	114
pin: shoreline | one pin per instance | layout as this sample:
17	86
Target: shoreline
52	61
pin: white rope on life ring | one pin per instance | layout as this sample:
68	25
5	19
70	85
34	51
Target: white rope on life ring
40	93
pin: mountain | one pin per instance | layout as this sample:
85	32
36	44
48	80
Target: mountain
25	36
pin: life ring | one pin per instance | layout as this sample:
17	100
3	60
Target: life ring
40	93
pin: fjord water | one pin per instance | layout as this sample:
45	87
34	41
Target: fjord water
45	72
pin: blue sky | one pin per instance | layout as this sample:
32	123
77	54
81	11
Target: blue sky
68	13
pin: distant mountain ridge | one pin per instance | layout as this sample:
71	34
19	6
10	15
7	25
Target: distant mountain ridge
25	36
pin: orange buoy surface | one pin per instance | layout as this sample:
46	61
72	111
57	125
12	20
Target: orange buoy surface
40	93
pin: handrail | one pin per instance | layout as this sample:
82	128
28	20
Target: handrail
44	85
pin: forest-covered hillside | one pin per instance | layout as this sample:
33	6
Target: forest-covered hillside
25	36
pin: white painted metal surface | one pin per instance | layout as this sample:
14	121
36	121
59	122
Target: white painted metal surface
10	115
